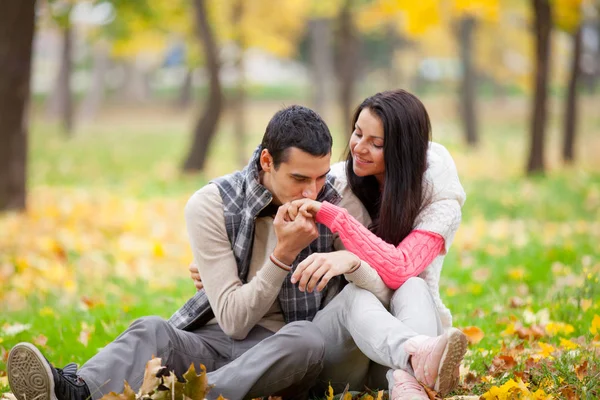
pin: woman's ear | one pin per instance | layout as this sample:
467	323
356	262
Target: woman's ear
266	160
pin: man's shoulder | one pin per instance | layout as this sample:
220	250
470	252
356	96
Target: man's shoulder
207	195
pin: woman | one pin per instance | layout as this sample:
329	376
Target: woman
414	217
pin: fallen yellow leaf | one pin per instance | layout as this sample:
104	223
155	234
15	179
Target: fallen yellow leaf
473	334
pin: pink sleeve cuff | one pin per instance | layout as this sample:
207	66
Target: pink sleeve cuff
327	214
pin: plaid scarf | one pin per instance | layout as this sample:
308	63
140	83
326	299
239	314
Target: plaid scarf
243	199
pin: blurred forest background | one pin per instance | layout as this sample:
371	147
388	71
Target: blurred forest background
113	112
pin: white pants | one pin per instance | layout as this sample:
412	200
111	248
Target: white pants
364	341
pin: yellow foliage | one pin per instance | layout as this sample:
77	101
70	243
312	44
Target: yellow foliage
567	344
555	328
486	10
413	18
545	351
258	25
567	14
515	390
595	328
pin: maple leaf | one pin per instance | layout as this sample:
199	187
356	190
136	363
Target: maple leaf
151	379
128	394
581	371
196	386
473	334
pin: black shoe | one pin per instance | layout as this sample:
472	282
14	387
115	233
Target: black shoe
32	377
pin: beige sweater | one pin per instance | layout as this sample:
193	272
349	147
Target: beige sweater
238	307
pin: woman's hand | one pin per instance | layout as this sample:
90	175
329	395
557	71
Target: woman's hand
306	207
195	275
318	268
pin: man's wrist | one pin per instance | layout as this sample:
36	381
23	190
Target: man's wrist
284	256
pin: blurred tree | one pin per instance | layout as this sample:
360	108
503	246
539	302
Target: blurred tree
60	102
95	93
542	14
17	24
208	122
243	25
469	13
321	60
568	18
348	44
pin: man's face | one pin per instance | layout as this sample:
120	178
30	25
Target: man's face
302	175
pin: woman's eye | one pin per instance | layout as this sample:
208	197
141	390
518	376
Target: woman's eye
357	134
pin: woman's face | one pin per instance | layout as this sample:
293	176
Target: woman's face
366	146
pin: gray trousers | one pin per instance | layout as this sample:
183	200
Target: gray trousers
365	341
286	363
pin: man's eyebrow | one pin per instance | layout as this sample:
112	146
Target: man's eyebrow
307	177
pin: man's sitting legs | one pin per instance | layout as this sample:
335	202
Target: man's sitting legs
261	364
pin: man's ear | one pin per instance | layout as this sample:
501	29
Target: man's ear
266	161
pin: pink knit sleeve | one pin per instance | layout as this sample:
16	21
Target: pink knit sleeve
394	264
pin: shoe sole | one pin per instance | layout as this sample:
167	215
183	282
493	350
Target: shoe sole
29	375
453	355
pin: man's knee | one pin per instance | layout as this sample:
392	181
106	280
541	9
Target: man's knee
152	326
305	340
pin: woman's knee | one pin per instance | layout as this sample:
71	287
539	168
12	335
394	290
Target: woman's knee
412	286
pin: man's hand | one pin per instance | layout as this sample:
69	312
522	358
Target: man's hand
292	236
195	275
321	267
307	207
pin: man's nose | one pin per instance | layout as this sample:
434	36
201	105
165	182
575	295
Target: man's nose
310	191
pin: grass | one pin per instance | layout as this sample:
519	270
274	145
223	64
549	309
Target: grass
103	242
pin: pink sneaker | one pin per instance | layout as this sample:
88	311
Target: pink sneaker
435	360
406	387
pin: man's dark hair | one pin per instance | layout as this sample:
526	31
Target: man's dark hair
299	127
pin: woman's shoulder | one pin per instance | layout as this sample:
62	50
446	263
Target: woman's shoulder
338	171
441	176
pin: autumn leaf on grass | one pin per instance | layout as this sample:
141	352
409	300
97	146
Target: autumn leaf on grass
329	394
128	394
595	328
567	344
196	386
172	387
545	351
151	379
581	371
473	334
585	304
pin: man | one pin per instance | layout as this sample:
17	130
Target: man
249	324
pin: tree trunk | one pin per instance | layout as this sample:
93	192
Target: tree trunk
207	124
347	60
17	22
571	102
542	28
239	94
95	94
185	93
467	88
61	101
321	62
395	41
